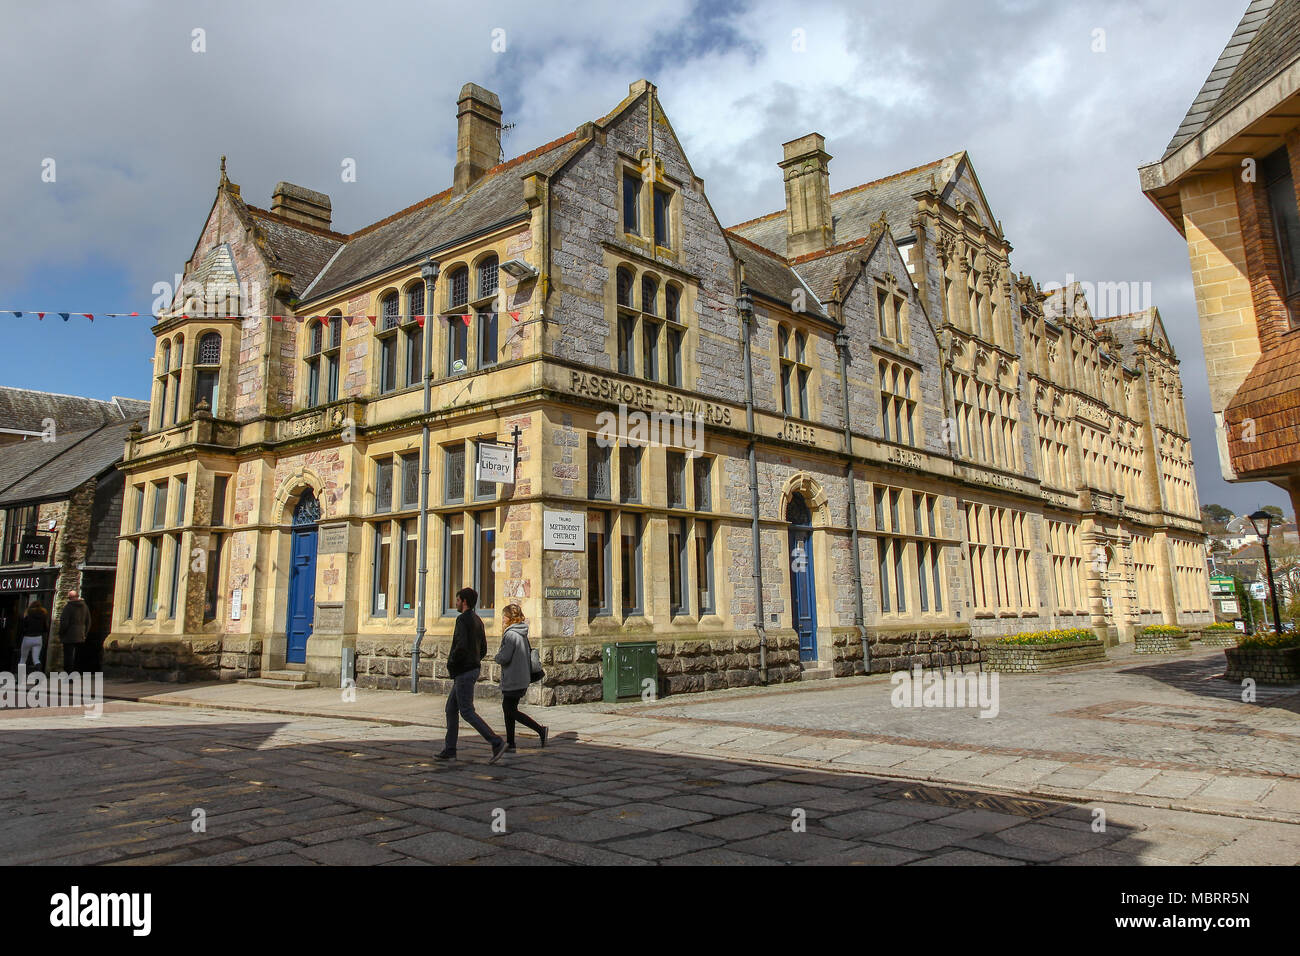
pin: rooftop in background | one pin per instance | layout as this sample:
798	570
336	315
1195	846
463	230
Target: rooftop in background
25	414
38	469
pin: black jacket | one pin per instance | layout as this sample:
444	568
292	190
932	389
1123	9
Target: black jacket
468	644
74	622
35	622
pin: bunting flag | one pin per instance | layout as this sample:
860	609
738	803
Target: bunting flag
515	316
371	318
419	320
466	317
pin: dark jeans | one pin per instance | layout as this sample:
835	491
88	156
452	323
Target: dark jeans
510	707
460	703
74	656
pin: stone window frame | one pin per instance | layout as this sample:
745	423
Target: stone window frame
648	171
414	326
795	384
910	559
388	341
898	402
893	314
206	369
637	323
323	359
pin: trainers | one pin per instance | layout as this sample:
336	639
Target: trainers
545	733
498	749
445	755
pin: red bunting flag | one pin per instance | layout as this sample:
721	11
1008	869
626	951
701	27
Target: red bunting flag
89	316
371	318
515	316
466	318
419	320
277	318
40	316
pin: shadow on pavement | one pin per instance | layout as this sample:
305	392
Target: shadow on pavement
297	792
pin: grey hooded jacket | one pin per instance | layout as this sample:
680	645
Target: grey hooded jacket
515	658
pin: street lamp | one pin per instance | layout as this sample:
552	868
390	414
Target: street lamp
1262	522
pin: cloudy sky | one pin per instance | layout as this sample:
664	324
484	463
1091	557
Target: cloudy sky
1057	104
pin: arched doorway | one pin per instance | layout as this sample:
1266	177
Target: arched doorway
302	578
803	590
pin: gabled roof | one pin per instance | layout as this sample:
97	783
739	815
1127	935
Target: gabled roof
297	248
23	409
1265	40
854	211
34	470
1134	327
496	198
770	276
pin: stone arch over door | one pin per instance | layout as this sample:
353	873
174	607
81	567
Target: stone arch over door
804	504
298	504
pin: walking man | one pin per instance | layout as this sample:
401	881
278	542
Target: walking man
74	625
468	648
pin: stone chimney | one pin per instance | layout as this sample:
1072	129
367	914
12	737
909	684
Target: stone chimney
807	196
301	205
478	135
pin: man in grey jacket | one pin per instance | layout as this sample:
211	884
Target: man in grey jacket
516	660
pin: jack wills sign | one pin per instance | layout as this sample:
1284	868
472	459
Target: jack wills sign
36	547
19	582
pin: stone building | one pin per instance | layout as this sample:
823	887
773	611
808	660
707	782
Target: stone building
921	448
60	505
1226	182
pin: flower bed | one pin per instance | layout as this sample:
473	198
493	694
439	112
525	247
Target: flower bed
1222	634
1044	650
1161	639
1267	658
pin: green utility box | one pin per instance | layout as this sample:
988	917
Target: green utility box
626	668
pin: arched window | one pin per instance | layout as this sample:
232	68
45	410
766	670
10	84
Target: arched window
166	358
458	287
624	287
676	335
897	407
488	272
414	333
672	303
649	295
207	371
323	350
164	366
390	319
178	360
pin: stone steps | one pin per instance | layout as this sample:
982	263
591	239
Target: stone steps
815	671
283	679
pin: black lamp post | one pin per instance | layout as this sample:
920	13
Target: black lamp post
1263	524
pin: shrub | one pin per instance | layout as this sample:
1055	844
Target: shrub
1163	630
1271	639
1057	636
1220	626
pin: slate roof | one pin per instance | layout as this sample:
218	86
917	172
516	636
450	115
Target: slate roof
1129	329
37	469
441	219
296	247
1266	40
24	409
854	211
769	275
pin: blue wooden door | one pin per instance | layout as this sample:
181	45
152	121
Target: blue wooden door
803	586
302	579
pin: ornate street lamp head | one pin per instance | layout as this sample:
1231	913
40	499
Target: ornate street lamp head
1262	521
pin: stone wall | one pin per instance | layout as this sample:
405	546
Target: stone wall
1042	657
1264	665
894	649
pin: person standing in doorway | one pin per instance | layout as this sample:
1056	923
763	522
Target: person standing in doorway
516	660
74	625
35	624
464	661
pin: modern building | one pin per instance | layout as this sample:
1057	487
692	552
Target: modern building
1226	182
60	505
844	432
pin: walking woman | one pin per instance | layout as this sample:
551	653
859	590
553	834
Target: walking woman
35	623
516	660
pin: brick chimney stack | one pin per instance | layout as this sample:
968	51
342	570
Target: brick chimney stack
301	205
478	135
807	196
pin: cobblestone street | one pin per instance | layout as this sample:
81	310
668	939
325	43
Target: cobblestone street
807	774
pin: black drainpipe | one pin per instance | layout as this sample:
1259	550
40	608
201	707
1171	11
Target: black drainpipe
842	347
745	306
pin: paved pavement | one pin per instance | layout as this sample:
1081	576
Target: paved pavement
825	772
